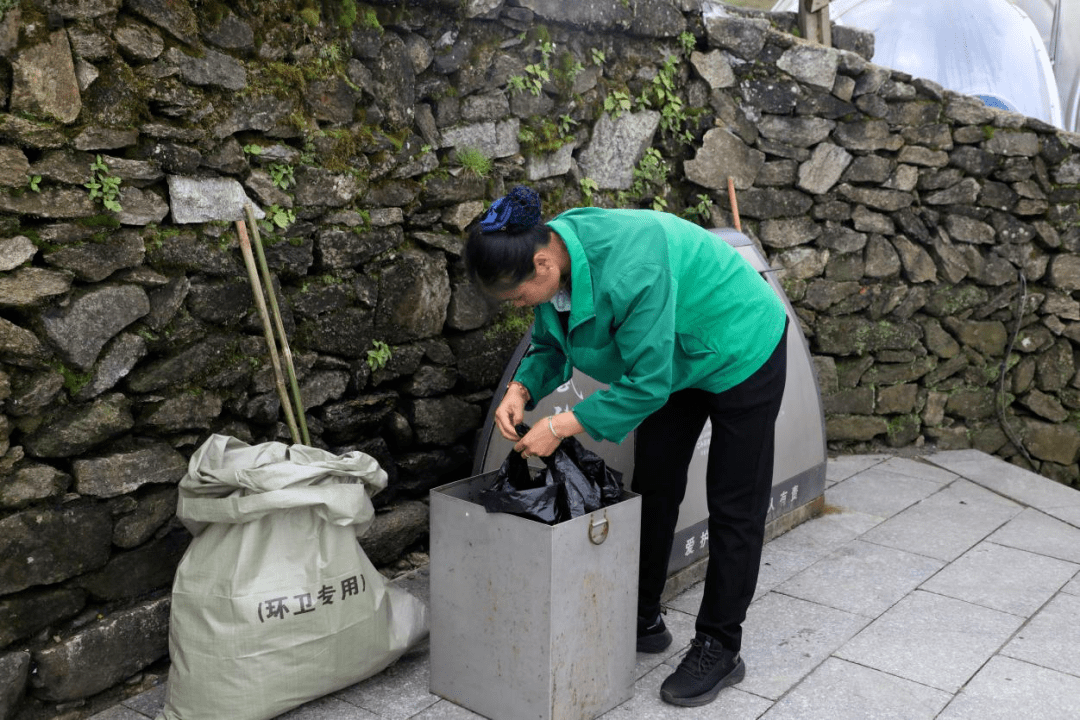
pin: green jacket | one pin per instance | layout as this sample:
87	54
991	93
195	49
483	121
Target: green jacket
658	304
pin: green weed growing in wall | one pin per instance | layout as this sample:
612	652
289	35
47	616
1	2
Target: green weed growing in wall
104	185
280	217
282	175
474	161
687	42
379	355
650	177
617	102
536	74
661	94
700	212
588	187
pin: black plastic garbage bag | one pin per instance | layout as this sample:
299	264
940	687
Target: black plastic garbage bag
575	481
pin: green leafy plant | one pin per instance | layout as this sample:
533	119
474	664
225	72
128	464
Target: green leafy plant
474	161
104	185
379	355
617	102
650	177
35	181
566	124
253	149
536	74
281	217
598	56
588	187
538	135
661	93
701	212
282	175
687	42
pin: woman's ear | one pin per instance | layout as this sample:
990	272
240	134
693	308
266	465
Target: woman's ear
543	261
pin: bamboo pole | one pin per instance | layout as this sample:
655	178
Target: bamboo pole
734	202
260	303
275	312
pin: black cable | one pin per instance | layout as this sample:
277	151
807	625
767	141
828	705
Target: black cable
1005	366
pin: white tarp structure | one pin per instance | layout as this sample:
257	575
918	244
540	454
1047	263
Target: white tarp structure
988	48
1058	22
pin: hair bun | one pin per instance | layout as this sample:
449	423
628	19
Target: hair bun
516	211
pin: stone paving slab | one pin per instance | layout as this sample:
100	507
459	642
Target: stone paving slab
861	578
1014	482
931	639
1037	532
1007	689
843	467
445	710
840	690
1073	587
826	533
785	638
778	565
397	693
946	524
328	708
917	468
1002	578
1052	637
119	712
879	492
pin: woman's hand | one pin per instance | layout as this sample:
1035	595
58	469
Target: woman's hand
511	410
544	438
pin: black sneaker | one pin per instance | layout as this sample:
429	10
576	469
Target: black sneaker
652	637
707	668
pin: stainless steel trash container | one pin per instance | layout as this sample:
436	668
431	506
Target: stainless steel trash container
532	621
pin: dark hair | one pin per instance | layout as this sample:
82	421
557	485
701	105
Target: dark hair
502	260
499	251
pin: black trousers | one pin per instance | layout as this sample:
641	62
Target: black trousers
738	483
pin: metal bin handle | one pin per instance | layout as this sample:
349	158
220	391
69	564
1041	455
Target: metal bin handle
598	530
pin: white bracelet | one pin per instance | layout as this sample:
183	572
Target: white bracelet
551	427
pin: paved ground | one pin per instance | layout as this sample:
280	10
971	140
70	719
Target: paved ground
944	586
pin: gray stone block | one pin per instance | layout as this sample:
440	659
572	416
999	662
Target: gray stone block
879	492
400	691
1002	578
785	638
861	578
946	524
844	466
1013	482
839	690
329	708
1007	689
1039	533
933	640
1052	637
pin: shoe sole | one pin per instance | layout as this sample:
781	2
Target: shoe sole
654	643
732	678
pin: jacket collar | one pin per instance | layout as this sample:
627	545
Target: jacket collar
581	286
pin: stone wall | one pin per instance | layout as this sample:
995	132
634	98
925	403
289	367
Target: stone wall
923	239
